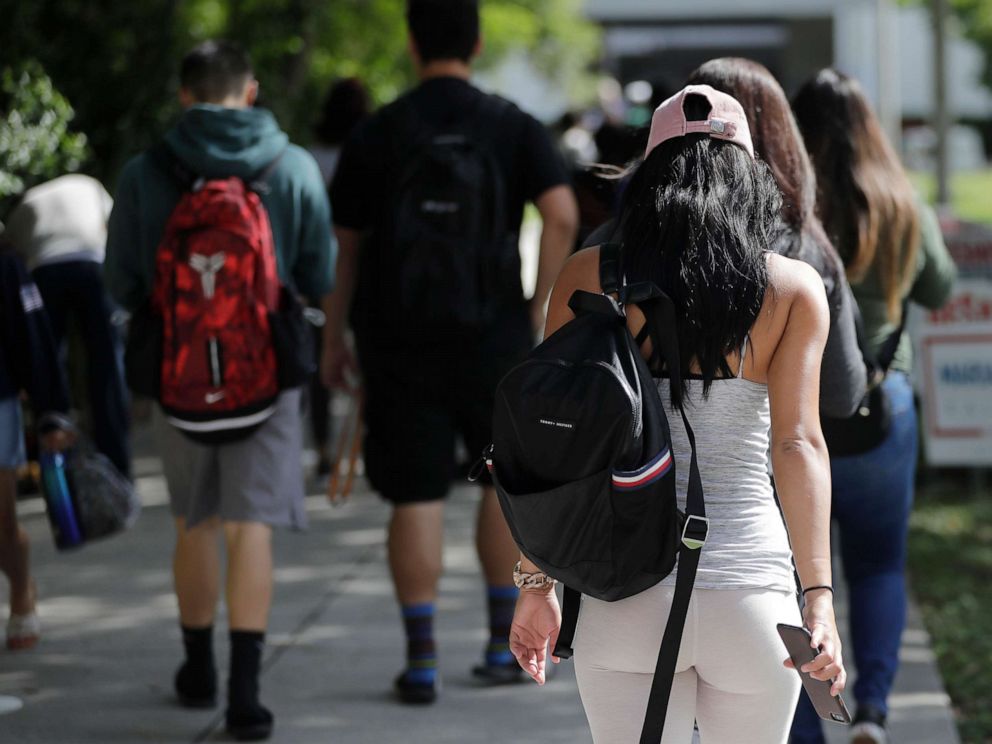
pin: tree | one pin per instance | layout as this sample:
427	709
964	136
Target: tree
116	61
35	142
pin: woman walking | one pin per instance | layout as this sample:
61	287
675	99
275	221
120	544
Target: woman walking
893	253
697	219
800	234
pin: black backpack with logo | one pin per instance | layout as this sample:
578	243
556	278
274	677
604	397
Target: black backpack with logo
447	258
582	463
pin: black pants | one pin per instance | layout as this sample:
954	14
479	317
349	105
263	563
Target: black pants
74	289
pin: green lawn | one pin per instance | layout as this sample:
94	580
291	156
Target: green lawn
971	193
950	559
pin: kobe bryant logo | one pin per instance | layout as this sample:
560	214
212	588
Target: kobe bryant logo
207	267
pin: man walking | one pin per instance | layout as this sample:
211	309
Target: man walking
59	228
242	488
429	198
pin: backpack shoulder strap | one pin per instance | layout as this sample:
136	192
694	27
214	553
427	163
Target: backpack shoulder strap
259	183
609	268
571	600
659	314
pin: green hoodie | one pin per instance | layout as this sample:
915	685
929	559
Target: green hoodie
218	142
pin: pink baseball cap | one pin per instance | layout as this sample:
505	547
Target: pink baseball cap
726	119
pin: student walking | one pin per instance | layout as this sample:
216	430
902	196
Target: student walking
438	180
60	228
894	254
799	234
697	219
277	232
347	105
29	363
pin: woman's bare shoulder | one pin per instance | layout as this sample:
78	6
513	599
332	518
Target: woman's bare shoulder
581	271
791	280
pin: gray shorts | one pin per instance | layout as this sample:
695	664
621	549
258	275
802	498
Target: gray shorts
258	479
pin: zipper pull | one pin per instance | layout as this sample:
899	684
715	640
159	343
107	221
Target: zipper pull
484	462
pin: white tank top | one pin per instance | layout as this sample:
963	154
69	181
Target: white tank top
747	546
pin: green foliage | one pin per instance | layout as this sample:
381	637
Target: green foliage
116	61
969	192
975	23
35	142
950	555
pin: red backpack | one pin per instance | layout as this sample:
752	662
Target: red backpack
216	286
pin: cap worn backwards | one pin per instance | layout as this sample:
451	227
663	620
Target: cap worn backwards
726	119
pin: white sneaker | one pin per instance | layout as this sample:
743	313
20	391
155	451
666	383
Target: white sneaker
23	631
868	732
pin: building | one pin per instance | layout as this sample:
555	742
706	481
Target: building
887	47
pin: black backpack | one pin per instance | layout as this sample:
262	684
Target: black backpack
582	463
445	241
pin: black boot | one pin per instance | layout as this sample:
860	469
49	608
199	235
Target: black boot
247	718
196	680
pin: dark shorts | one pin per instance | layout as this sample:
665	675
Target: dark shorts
418	402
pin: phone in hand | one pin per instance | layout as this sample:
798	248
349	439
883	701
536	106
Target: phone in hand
797	642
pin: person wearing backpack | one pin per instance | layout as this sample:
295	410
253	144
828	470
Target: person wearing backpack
59	228
894	254
214	233
428	200
749	327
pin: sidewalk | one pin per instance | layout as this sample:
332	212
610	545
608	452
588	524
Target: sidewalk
103	670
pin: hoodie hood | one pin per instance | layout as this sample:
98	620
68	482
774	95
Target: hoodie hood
215	141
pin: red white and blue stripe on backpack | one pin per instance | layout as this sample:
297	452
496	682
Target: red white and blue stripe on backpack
631	480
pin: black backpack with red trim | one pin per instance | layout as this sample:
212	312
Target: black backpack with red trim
582	463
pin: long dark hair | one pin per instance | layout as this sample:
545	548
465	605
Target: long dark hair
696	219
864	196
778	142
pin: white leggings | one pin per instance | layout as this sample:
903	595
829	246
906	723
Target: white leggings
729	677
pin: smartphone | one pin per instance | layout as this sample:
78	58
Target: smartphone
797	642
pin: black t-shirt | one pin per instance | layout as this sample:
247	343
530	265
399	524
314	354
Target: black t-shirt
523	148
374	158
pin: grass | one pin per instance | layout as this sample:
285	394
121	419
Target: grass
950	560
971	192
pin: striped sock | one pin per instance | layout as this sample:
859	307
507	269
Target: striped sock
502	602
421	654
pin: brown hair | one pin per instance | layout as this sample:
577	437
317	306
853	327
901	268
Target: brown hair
778	142
864	197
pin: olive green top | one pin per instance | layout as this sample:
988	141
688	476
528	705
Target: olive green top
930	287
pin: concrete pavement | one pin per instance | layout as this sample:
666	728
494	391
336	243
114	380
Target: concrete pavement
103	670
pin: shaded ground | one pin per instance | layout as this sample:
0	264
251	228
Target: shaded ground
103	671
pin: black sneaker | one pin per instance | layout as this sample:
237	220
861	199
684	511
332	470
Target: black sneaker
499	674
196	690
417	693
252	724
869	726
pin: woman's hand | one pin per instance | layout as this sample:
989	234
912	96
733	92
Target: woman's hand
818	617
536	622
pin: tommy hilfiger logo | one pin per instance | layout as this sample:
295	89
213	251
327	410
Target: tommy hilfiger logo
556	424
207	267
